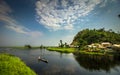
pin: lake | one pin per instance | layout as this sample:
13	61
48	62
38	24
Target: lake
67	64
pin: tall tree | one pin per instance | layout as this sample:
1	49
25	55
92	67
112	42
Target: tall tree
61	44
66	45
28	46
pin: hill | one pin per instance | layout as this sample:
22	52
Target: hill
87	36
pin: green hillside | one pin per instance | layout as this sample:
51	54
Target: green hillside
88	36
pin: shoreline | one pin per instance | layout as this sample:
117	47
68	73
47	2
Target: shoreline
13	65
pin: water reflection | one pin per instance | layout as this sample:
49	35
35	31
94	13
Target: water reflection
98	62
67	64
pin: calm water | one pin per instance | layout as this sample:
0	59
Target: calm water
67	64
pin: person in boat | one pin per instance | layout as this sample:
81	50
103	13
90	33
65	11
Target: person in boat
39	57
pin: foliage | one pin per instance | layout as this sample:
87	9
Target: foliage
87	36
66	45
61	44
11	65
28	46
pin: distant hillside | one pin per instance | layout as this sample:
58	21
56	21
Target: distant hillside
87	36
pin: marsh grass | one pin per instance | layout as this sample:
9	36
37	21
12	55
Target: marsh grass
62	50
12	65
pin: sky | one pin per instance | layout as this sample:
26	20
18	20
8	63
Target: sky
45	22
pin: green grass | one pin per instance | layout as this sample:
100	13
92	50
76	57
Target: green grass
12	65
92	53
62	50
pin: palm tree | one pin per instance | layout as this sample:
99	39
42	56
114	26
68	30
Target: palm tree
61	44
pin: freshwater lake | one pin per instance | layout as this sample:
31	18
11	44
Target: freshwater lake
67	64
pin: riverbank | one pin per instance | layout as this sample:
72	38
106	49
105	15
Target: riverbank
93	53
21	47
75	51
12	65
62	50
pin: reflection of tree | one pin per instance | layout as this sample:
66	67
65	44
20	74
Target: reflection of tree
96	62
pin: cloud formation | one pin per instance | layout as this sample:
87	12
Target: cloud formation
11	23
61	14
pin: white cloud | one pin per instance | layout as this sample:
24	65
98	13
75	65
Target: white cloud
12	24
18	29
35	33
61	14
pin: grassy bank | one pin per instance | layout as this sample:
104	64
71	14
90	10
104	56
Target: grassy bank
62	50
22	47
73	50
12	65
92	53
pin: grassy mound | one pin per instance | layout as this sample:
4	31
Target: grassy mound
62	50
12	65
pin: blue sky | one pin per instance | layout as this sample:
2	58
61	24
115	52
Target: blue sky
37	22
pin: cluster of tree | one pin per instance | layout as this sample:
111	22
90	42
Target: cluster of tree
28	46
87	36
63	45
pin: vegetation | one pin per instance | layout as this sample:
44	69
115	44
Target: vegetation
86	37
92	53
61	45
28	46
11	65
62	50
24	48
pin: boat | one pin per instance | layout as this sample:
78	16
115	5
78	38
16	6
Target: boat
41	59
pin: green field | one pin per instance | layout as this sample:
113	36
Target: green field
12	65
62	50
75	51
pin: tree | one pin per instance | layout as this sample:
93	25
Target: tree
110	30
41	46
28	46
81	43
86	37
66	45
61	44
102	30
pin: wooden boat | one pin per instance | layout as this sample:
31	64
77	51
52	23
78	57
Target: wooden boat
41	59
